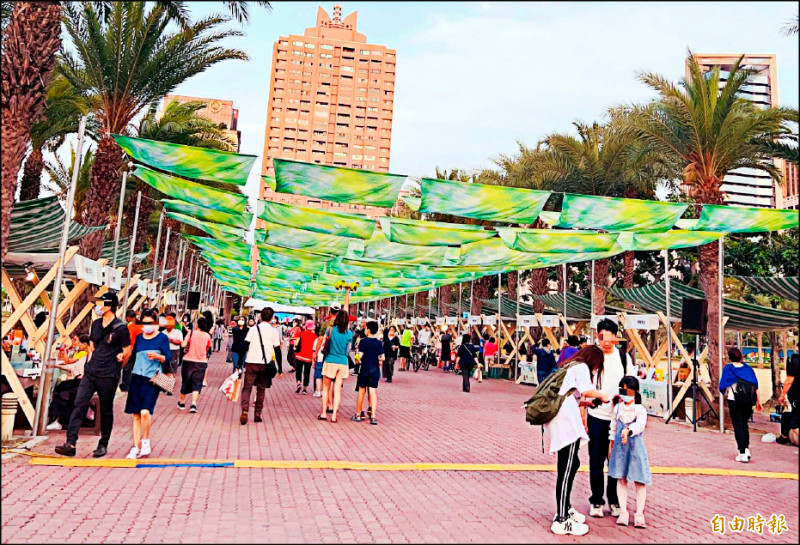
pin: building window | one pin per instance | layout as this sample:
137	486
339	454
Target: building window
309	46
326	47
347	68
325	56
299	44
284	42
298	53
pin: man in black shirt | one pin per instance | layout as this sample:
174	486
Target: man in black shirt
447	341
110	344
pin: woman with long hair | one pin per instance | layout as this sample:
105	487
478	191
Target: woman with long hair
335	367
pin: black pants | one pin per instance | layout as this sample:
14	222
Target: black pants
302	368
741	428
388	368
126	377
254	374
786	419
63	401
217	345
106	388
465	374
598	454
567	467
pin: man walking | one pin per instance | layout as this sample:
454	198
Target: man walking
260	368
110	345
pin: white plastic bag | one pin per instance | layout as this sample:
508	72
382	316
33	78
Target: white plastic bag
228	384
768	438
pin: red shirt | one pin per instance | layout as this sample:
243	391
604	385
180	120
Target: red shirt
306	352
134	329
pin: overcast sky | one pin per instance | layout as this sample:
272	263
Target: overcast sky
473	78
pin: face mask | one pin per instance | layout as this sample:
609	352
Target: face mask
241	323
149	328
98	309
627	399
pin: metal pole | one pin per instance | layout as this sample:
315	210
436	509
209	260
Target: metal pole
119	219
591	313
42	404
721	329
439	301
460	291
564	285
179	277
516	328
499	327
430	297
163	266
669	331
188	282
130	257
471	290
158	244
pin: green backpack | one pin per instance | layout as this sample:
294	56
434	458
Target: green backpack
545	403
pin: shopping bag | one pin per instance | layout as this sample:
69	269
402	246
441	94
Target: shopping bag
237	389
475	373
227	387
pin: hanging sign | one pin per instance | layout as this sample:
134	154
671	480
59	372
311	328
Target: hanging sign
648	322
421	321
597	319
451	320
490	320
439	320
527	320
112	278
141	287
88	270
549	320
409	322
474	320
152	291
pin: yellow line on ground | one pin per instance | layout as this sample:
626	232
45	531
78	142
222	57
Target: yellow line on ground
378	466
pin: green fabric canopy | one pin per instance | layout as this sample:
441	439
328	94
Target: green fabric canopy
740	219
741	316
199	194
320	221
240	220
786	287
431	233
216	230
615	214
578	307
481	201
378	248
229	249
189	161
300	239
36	226
338	184
412	202
553	240
665	240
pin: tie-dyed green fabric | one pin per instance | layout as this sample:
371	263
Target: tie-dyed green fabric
481	201
413	203
269	181
228	266
188	161
319	221
300	239
431	233
216	230
615	214
192	192
241	220
676	238
493	252
378	248
292	260
265	271
229	250
553	240
337	184
740	219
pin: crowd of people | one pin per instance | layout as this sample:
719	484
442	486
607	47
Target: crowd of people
596	386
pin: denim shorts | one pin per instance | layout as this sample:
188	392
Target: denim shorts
318	370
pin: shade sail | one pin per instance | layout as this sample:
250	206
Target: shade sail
786	287
300	239
36	226
741	316
241	220
338	184
378	248
192	192
319	221
552	240
230	249
274	256
189	161
216	230
665	240
432	233
615	214
481	201
412	202
269	181
740	219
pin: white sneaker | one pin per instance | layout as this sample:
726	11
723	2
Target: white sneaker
574	515
53	426
747	453
744	458
133	454
145	448
596	511
615	510
317	394
569	527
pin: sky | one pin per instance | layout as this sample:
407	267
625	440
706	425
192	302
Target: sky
474	78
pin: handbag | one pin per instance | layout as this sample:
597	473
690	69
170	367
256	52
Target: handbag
326	344
271	369
164	382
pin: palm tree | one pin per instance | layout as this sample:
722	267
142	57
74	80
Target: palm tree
130	61
60	178
707	130
791	26
60	118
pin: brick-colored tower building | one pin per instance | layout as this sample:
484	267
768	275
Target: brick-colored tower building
217	110
331	101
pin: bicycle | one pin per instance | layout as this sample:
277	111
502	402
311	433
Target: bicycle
416	357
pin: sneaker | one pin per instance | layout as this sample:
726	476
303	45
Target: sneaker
304	392
193	409
638	521
615	510
243	419
297	390
146	450
623	518
181	406
596	511
747	453
257	418
317	394
741	457
100	451
577	517
569	527
53	426
65	450
133	454
781	440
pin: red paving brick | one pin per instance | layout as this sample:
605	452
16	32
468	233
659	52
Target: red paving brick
424	417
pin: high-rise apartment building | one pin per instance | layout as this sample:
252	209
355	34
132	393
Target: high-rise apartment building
218	111
331	102
747	186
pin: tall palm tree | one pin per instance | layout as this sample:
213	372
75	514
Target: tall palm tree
60	178
707	130
129	61
61	116
791	26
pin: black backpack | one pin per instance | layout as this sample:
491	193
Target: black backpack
745	393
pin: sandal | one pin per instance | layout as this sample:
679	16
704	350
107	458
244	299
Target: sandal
373	421
355	418
334	420
638	521
320	417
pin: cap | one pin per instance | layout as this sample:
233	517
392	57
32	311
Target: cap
336	306
109	299
310	324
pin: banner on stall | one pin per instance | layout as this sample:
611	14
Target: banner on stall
112	278
474	320
649	322
489	320
451	320
152	291
549	321
597	319
654	396
527	320
89	270
141	287
439	320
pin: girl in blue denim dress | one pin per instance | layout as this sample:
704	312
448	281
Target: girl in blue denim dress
628	459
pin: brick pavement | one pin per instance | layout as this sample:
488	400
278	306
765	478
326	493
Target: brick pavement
424	417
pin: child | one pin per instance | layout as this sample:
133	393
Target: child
371	350
628	456
318	357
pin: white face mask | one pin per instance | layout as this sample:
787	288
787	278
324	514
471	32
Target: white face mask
241	323
162	322
149	328
98	309
627	399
